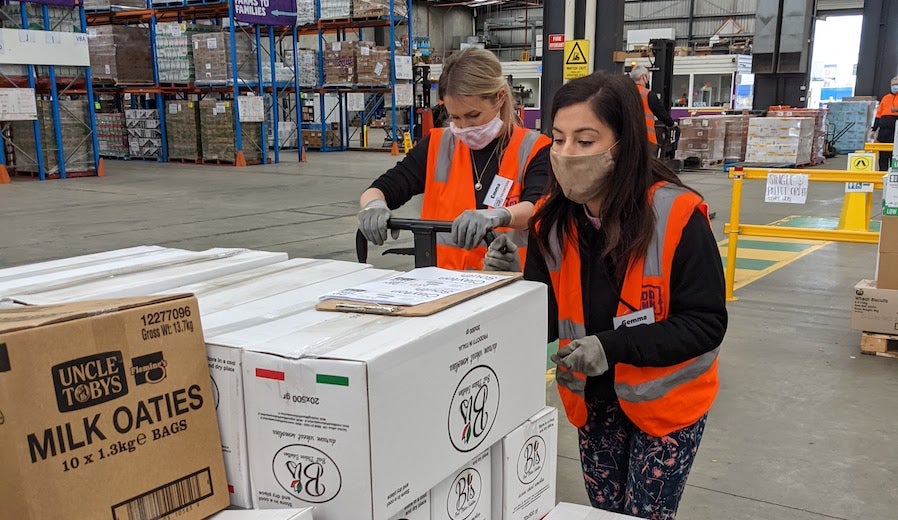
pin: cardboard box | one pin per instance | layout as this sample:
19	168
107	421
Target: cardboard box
120	54
565	511
110	403
887	265
525	467
218	133
417	510
465	495
331	396
890	194
874	309
270	514
225	342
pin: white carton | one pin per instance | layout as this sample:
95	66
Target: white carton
465	495
566	511
229	331
359	414
46	274
417	510
146	278
525	468
226	292
269	514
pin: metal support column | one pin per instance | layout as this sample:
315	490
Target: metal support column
553	62
160	100
238	131
263	142
54	94
579	19
877	60
274	99
38	144
609	35
298	94
411	109
89	87
396	138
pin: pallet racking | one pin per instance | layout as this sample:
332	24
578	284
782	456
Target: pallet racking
74	130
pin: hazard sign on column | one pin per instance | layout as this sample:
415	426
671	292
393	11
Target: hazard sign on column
576	59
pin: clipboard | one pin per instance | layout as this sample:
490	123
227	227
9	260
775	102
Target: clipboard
423	309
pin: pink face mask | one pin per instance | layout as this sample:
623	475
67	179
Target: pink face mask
477	137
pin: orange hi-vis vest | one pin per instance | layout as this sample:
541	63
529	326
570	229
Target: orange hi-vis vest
659	400
449	189
649	115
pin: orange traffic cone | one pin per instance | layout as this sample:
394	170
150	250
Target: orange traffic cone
303	157
395	149
240	160
101	168
4	175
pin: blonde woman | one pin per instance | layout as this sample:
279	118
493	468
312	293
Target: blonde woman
484	171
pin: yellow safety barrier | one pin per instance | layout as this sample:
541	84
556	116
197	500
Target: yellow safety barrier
878	147
734	228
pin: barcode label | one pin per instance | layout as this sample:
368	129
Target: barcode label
166	499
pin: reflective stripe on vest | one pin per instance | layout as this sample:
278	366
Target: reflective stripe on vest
649	115
658	400
449	189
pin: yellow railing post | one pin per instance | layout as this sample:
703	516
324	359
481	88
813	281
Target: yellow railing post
733	243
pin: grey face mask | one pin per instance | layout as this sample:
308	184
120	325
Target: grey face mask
582	177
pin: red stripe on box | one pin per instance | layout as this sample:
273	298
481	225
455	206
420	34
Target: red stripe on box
230	489
269	374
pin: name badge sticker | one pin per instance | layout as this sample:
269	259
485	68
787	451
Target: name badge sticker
643	317
498	192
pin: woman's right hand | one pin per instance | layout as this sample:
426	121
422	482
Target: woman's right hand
373	221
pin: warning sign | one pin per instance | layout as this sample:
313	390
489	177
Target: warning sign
861	162
556	42
576	59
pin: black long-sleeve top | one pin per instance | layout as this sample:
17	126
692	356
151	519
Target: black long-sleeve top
696	322
658	108
408	178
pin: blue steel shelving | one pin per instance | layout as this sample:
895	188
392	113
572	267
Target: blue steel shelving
50	90
191	10
375	99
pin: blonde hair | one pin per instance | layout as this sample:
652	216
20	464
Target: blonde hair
478	72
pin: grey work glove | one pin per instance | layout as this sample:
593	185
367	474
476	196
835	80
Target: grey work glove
373	221
469	228
585	355
496	260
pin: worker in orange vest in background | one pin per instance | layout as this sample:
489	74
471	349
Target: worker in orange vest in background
884	124
652	106
484	171
636	299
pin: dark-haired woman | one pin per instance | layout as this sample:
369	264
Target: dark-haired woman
636	298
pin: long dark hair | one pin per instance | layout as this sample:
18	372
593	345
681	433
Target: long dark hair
628	220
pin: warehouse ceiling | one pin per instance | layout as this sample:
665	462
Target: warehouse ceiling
486	3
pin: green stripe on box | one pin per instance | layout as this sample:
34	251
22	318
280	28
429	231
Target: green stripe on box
325	379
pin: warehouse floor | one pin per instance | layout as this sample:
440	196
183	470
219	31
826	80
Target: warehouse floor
804	427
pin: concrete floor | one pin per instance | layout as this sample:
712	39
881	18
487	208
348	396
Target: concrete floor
804	427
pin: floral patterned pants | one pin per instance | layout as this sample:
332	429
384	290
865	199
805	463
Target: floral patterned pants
628	471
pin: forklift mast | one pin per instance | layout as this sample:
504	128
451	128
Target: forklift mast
662	70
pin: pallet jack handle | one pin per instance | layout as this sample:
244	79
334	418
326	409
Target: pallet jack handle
425	235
